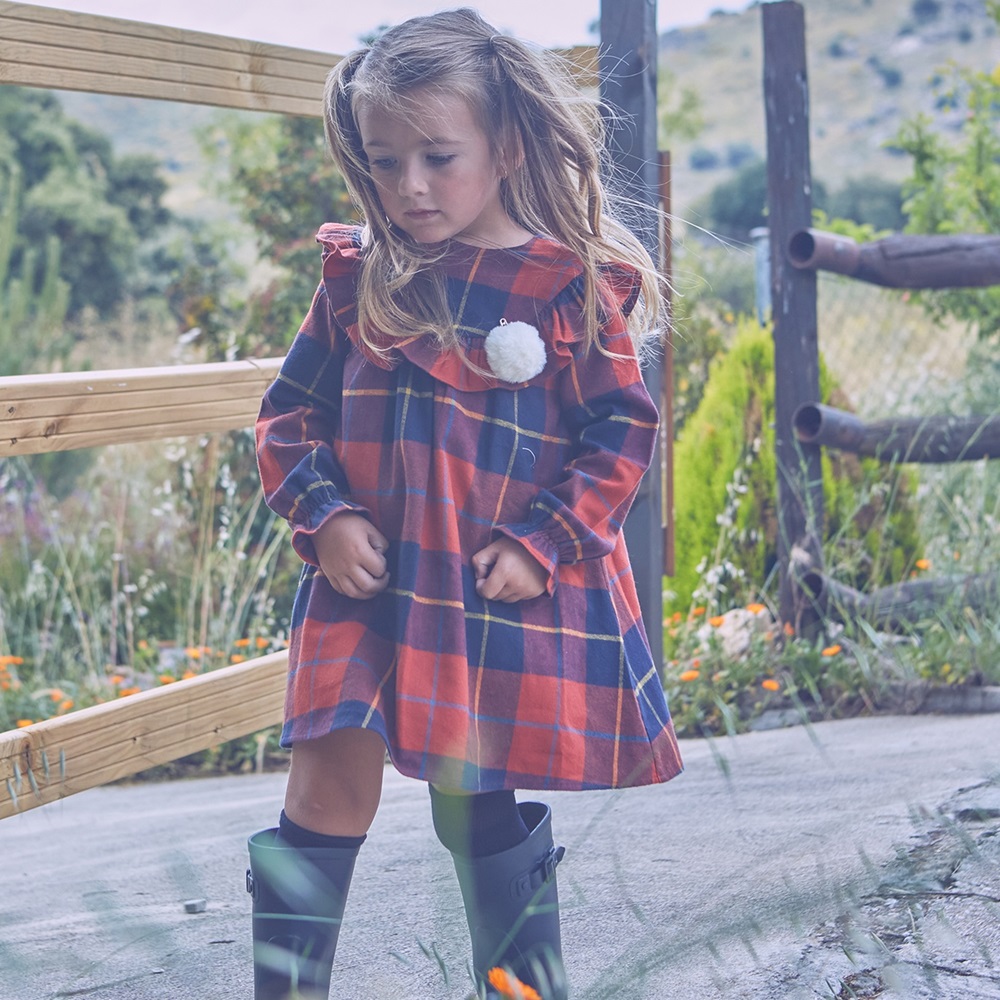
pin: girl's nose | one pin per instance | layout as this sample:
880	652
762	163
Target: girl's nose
412	181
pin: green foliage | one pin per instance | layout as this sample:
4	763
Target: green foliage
73	188
136	580
726	494
680	115
955	185
739	204
869	200
276	172
31	320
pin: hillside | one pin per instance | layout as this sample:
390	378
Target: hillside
869	63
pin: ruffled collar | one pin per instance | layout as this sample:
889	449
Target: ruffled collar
530	280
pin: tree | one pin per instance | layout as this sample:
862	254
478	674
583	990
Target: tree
276	172
680	115
73	187
870	199
31	321
955	185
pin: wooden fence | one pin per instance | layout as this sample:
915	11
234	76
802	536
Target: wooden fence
43	47
803	424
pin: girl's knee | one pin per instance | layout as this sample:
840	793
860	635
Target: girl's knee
335	782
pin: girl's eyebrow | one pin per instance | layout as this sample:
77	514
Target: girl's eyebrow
377	143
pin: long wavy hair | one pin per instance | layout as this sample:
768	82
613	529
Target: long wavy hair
549	136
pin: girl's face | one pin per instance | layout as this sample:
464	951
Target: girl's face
435	172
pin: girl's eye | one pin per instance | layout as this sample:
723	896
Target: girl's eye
385	163
440	159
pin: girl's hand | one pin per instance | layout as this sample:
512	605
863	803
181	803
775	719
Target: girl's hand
351	555
505	571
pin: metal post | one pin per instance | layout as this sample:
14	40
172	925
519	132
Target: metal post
628	88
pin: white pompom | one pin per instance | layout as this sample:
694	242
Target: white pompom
515	351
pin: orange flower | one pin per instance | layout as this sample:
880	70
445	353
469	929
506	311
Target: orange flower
676	618
194	652
21	723
116	679
832	650
125	692
66	705
923	564
11	661
4	685
690	675
788	629
263	643
142	644
167	678
241	643
716	620
756	609
510	986
770	684
56	695
696	612
236	658
696	662
188	674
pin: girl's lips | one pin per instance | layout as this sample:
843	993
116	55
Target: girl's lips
423	213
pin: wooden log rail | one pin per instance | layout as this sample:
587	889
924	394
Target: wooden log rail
901	261
932	439
50	760
42	413
901	606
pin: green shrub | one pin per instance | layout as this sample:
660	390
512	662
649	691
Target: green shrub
726	491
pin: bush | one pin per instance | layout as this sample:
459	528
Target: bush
726	491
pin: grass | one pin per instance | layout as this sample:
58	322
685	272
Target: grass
161	563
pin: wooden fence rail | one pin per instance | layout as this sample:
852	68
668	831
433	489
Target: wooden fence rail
43	47
43	413
50	760
931	439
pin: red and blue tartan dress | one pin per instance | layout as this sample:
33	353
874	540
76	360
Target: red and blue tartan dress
557	692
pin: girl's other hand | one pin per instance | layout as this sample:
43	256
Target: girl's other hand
505	571
351	554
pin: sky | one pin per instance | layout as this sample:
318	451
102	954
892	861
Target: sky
334	25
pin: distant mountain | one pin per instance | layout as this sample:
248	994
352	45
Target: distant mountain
869	65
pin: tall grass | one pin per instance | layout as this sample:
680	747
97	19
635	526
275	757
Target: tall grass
159	564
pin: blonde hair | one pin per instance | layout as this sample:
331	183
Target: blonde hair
549	135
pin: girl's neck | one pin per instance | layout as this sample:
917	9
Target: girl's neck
507	236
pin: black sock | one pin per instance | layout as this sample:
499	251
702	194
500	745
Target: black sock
298	836
477	825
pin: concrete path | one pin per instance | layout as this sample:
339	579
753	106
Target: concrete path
849	859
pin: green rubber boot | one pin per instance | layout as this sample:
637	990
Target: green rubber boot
298	904
512	906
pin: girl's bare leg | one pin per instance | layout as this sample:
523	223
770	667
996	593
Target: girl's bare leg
335	782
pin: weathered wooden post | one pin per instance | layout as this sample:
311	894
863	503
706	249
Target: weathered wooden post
627	69
793	291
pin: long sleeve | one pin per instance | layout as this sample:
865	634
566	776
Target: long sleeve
303	480
614	423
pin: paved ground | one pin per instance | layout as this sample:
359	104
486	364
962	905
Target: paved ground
850	859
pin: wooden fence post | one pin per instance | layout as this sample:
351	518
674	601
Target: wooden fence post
793	292
628	87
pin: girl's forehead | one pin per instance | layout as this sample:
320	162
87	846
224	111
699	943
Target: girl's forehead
432	113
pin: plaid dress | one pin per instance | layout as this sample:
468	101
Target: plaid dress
556	692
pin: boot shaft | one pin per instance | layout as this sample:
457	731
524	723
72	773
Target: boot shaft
298	905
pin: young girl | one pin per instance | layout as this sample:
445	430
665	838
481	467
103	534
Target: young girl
455	437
